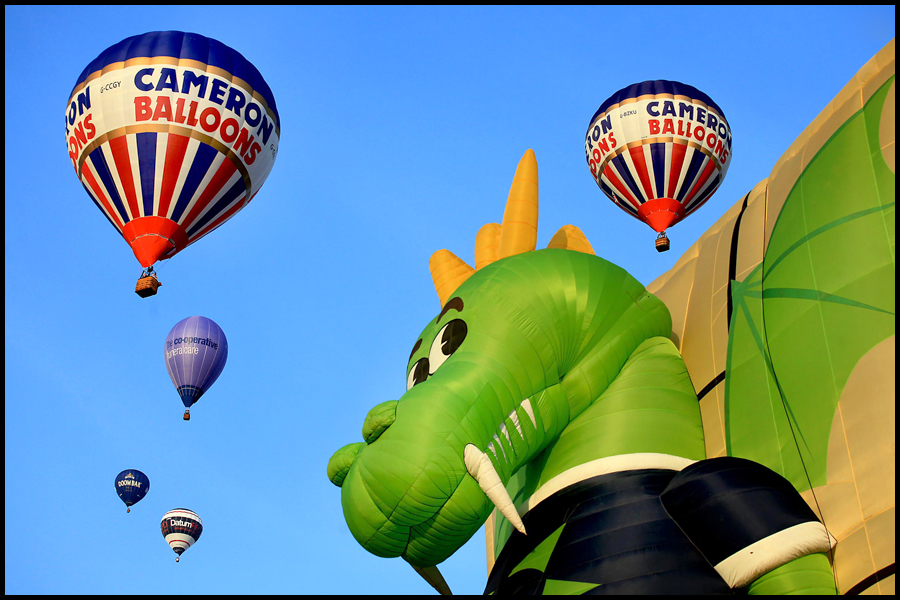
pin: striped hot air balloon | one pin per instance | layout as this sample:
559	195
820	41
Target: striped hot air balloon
181	528
659	150
170	134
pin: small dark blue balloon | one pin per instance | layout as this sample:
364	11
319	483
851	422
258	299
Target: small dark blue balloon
132	486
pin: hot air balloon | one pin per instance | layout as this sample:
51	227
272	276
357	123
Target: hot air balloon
196	351
170	134
659	150
132	486
181	528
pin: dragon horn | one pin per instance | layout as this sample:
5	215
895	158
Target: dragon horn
448	271
520	218
486	243
570	237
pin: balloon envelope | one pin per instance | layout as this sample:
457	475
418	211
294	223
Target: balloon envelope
132	486
195	352
659	150
181	528
170	134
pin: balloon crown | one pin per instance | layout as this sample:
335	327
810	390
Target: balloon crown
516	234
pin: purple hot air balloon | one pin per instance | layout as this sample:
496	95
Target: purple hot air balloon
196	350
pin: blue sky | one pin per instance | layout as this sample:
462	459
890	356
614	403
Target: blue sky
401	131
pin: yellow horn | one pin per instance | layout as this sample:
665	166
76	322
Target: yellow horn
448	271
570	237
486	243
518	233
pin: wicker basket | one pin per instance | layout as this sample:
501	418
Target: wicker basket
662	244
147	286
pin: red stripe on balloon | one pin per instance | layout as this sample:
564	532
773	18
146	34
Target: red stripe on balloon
176	146
710	166
215	185
225	216
609	173
98	193
640	166
119	147
678	151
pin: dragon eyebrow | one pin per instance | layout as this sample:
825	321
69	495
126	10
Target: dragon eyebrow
416	347
455	303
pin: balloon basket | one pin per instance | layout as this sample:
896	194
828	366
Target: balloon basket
147	286
187	415
662	243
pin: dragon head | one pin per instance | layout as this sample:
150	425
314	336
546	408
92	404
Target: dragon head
521	346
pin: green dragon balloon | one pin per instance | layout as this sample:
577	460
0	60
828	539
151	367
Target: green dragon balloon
549	380
551	397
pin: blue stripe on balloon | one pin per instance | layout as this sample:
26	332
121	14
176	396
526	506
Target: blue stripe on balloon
625	175
691	174
98	161
146	149
97	204
701	198
236	190
658	157
200	165
611	194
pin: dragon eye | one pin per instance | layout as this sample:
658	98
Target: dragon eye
417	374
448	339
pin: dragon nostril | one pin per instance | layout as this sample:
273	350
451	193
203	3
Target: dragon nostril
378	420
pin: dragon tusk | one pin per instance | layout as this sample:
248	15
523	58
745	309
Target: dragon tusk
434	579
480	467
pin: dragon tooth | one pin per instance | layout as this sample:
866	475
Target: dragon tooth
526	404
434	578
480	467
505	432
499	445
515	421
493	450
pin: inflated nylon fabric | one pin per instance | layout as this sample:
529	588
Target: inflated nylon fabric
533	320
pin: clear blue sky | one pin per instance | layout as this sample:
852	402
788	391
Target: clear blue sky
401	131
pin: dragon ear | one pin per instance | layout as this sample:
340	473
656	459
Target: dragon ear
570	237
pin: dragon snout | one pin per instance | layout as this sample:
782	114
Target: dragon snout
377	421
